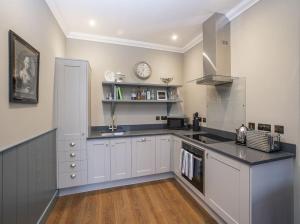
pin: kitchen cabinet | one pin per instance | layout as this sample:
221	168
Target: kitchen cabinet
120	151
227	187
143	156
176	156
163	153
71	117
98	152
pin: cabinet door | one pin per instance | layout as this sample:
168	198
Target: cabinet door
71	99
176	156
143	156
98	161
120	158
224	181
163	153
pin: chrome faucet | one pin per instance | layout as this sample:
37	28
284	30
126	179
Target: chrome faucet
113	126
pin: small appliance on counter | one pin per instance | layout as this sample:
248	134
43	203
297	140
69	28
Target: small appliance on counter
241	135
196	122
177	122
263	141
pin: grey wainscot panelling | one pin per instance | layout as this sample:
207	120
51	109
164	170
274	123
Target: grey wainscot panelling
29	179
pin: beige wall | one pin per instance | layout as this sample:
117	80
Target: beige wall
103	57
194	95
265	42
33	21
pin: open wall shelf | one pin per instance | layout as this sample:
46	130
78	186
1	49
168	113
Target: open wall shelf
110	88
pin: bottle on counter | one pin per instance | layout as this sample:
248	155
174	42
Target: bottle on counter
138	94
152	94
143	95
148	93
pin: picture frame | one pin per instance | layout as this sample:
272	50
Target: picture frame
24	62
161	95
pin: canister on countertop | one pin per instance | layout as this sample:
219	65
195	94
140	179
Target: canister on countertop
263	141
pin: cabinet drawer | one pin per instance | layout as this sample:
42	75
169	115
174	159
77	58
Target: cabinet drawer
73	144
72	179
76	166
72	155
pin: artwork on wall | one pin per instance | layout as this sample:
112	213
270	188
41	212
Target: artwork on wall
23	71
161	95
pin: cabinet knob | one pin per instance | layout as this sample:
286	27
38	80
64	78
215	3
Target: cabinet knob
73	176
72	144
72	154
73	165
143	139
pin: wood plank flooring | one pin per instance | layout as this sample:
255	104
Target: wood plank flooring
155	202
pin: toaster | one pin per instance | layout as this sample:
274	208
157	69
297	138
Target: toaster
263	141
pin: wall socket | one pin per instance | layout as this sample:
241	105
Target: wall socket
279	129
251	126
264	127
163	118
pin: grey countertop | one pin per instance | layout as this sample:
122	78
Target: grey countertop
230	149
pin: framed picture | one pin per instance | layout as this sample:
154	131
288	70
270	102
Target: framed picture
24	63
161	95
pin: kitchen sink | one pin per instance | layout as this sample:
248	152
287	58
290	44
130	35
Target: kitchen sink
107	134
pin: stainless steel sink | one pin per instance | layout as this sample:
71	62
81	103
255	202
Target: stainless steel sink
107	134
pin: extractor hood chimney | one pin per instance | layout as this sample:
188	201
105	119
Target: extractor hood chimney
216	51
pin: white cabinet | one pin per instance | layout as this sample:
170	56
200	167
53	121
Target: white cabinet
71	117
163	153
120	151
143	156
176	156
98	161
227	187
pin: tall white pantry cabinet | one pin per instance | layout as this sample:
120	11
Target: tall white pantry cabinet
72	120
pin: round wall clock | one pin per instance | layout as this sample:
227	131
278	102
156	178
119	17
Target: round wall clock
142	70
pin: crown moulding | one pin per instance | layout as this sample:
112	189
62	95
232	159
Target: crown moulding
232	14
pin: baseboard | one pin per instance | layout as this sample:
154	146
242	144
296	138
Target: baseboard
50	206
199	200
112	184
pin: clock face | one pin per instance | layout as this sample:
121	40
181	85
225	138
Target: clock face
143	70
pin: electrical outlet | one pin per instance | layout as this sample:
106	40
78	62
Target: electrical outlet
279	129
157	118
163	118
251	126
204	119
264	127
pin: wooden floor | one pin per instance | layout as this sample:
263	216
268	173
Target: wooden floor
156	202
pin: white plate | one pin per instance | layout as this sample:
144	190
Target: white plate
109	76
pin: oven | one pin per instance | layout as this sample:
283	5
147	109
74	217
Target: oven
192	165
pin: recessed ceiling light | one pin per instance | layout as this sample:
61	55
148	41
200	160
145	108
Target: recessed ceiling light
92	22
174	37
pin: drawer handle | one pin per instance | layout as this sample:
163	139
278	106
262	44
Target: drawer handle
72	154
72	144
143	139
73	165
73	176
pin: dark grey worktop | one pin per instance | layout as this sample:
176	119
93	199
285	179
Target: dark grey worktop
230	149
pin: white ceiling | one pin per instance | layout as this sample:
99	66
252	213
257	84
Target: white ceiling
138	21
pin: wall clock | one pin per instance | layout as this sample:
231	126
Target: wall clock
142	70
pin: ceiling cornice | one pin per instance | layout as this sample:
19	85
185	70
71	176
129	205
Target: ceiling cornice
57	14
240	8
232	14
121	41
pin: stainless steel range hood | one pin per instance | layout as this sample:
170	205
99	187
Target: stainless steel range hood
216	51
